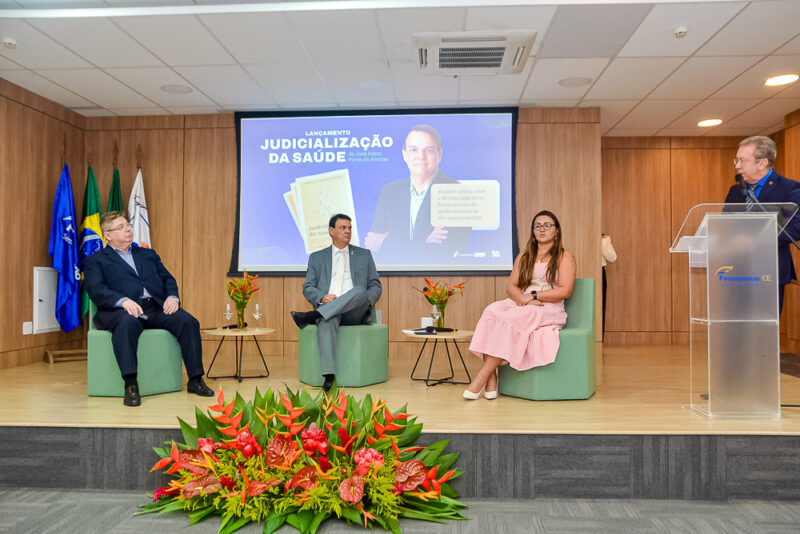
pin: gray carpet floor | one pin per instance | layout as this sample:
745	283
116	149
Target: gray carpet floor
86	511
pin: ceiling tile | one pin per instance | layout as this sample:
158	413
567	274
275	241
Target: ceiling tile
791	90
548	72
528	18
322	32
97	40
657	113
7	64
681	132
44	87
134	112
713	109
723	130
494	103
412	86
256	37
35	50
631	77
630	132
294	83
398	25
759	29
765	114
342	79
591	30
550	103
193	110
792	47
54	4
148	82
238	90
751	82
656	35
176	40
611	111
97	86
488	88
701	76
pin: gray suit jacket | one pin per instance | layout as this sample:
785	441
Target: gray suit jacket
362	271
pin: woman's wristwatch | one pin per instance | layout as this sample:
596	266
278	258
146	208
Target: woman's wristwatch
533	294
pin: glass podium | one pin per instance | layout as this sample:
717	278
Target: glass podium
734	321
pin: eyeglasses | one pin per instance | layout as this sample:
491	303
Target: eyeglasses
123	227
543	226
744	161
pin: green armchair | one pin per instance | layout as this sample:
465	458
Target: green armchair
572	374
362	355
160	365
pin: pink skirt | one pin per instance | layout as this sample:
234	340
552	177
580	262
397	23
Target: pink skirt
524	336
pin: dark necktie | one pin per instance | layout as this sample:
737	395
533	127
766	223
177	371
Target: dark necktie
751	195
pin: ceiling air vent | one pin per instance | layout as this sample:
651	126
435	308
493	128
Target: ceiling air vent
474	52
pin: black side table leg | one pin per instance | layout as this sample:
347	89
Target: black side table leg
469	378
417	362
208	373
262	358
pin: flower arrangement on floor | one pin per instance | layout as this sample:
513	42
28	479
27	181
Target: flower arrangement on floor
296	459
437	293
240	290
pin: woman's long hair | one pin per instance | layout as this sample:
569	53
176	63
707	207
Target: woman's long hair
531	251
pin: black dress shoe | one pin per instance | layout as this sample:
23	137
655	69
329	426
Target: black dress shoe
132	397
328	383
303	319
198	387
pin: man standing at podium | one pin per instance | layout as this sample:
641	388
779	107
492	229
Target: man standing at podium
760	183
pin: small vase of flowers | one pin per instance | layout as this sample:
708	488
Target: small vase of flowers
240	290
438	293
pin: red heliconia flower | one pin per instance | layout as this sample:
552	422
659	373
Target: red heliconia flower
164	491
324	464
352	489
344	438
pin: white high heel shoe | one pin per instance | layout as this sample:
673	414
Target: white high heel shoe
472	396
490	395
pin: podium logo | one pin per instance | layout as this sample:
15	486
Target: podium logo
723	275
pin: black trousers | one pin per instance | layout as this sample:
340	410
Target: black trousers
126	329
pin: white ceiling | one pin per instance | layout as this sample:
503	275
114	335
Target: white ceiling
111	57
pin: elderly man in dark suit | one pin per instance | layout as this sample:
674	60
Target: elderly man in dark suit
343	286
754	160
133	291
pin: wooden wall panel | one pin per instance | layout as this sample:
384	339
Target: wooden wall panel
636	215
698	176
160	155
34	145
558	169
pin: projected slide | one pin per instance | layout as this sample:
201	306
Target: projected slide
426	192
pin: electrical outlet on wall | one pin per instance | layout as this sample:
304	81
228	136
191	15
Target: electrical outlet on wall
27	328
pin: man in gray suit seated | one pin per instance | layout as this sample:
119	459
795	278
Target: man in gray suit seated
343	286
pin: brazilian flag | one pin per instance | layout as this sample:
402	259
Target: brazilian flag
115	195
91	237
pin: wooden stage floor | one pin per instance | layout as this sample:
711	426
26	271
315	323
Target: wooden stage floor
640	390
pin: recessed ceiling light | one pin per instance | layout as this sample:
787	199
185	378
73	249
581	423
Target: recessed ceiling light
709	122
371	84
578	81
783	79
176	89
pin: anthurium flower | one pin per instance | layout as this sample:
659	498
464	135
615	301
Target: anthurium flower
352	489
411	474
305	478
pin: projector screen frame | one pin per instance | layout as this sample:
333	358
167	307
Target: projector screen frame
234	271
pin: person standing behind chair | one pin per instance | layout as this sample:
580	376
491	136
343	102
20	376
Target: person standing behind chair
754	160
522	330
133	291
608	255
343	286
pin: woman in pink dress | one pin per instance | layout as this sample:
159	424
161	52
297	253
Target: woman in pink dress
522	330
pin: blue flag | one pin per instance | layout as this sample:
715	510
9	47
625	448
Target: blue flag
64	250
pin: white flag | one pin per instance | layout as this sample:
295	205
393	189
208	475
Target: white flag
137	211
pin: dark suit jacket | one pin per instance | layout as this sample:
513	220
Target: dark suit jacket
392	215
362	272
777	189
107	278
